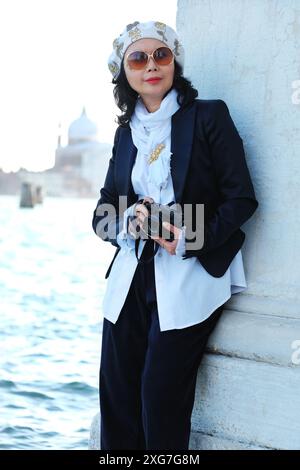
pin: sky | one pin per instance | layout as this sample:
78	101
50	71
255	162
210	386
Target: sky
53	62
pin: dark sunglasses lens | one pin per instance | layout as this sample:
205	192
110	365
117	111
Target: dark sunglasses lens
163	56
137	60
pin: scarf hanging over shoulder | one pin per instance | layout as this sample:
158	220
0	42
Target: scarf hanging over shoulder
151	129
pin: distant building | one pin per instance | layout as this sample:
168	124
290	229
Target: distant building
80	166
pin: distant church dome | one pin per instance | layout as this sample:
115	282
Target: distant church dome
82	129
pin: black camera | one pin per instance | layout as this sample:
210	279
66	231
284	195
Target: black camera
156	215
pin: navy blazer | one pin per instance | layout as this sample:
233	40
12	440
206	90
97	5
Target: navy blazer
208	166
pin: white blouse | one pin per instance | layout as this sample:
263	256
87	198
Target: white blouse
192	294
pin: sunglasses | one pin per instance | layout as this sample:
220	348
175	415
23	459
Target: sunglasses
138	60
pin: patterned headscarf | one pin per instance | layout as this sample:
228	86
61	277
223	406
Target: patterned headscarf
135	31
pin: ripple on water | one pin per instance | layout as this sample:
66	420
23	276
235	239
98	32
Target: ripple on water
15	429
8	384
35	395
77	387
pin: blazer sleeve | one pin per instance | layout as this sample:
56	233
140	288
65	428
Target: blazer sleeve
107	223
234	182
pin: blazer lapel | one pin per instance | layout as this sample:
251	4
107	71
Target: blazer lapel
182	134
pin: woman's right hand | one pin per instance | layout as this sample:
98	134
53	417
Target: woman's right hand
140	212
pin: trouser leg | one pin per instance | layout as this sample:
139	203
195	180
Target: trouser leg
123	351
169	381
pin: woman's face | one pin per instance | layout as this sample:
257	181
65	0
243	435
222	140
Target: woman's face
137	79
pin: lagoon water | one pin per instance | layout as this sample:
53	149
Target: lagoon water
52	269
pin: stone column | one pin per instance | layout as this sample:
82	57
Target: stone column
247	53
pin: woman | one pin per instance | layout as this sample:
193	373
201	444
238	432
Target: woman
159	312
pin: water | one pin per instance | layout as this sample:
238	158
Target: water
52	269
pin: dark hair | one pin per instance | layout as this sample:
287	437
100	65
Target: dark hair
126	97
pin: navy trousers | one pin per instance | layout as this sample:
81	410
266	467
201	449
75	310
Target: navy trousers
148	377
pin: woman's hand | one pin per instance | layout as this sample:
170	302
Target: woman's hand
140	212
170	247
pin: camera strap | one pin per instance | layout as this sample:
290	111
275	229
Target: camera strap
144	261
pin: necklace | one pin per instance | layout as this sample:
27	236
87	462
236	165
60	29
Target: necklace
155	153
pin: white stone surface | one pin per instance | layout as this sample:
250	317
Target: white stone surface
94	441
257	337
248	401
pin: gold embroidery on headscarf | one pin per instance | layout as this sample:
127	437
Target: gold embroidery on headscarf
161	29
118	46
135	34
177	47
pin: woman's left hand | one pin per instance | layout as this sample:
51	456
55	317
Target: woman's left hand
169	246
